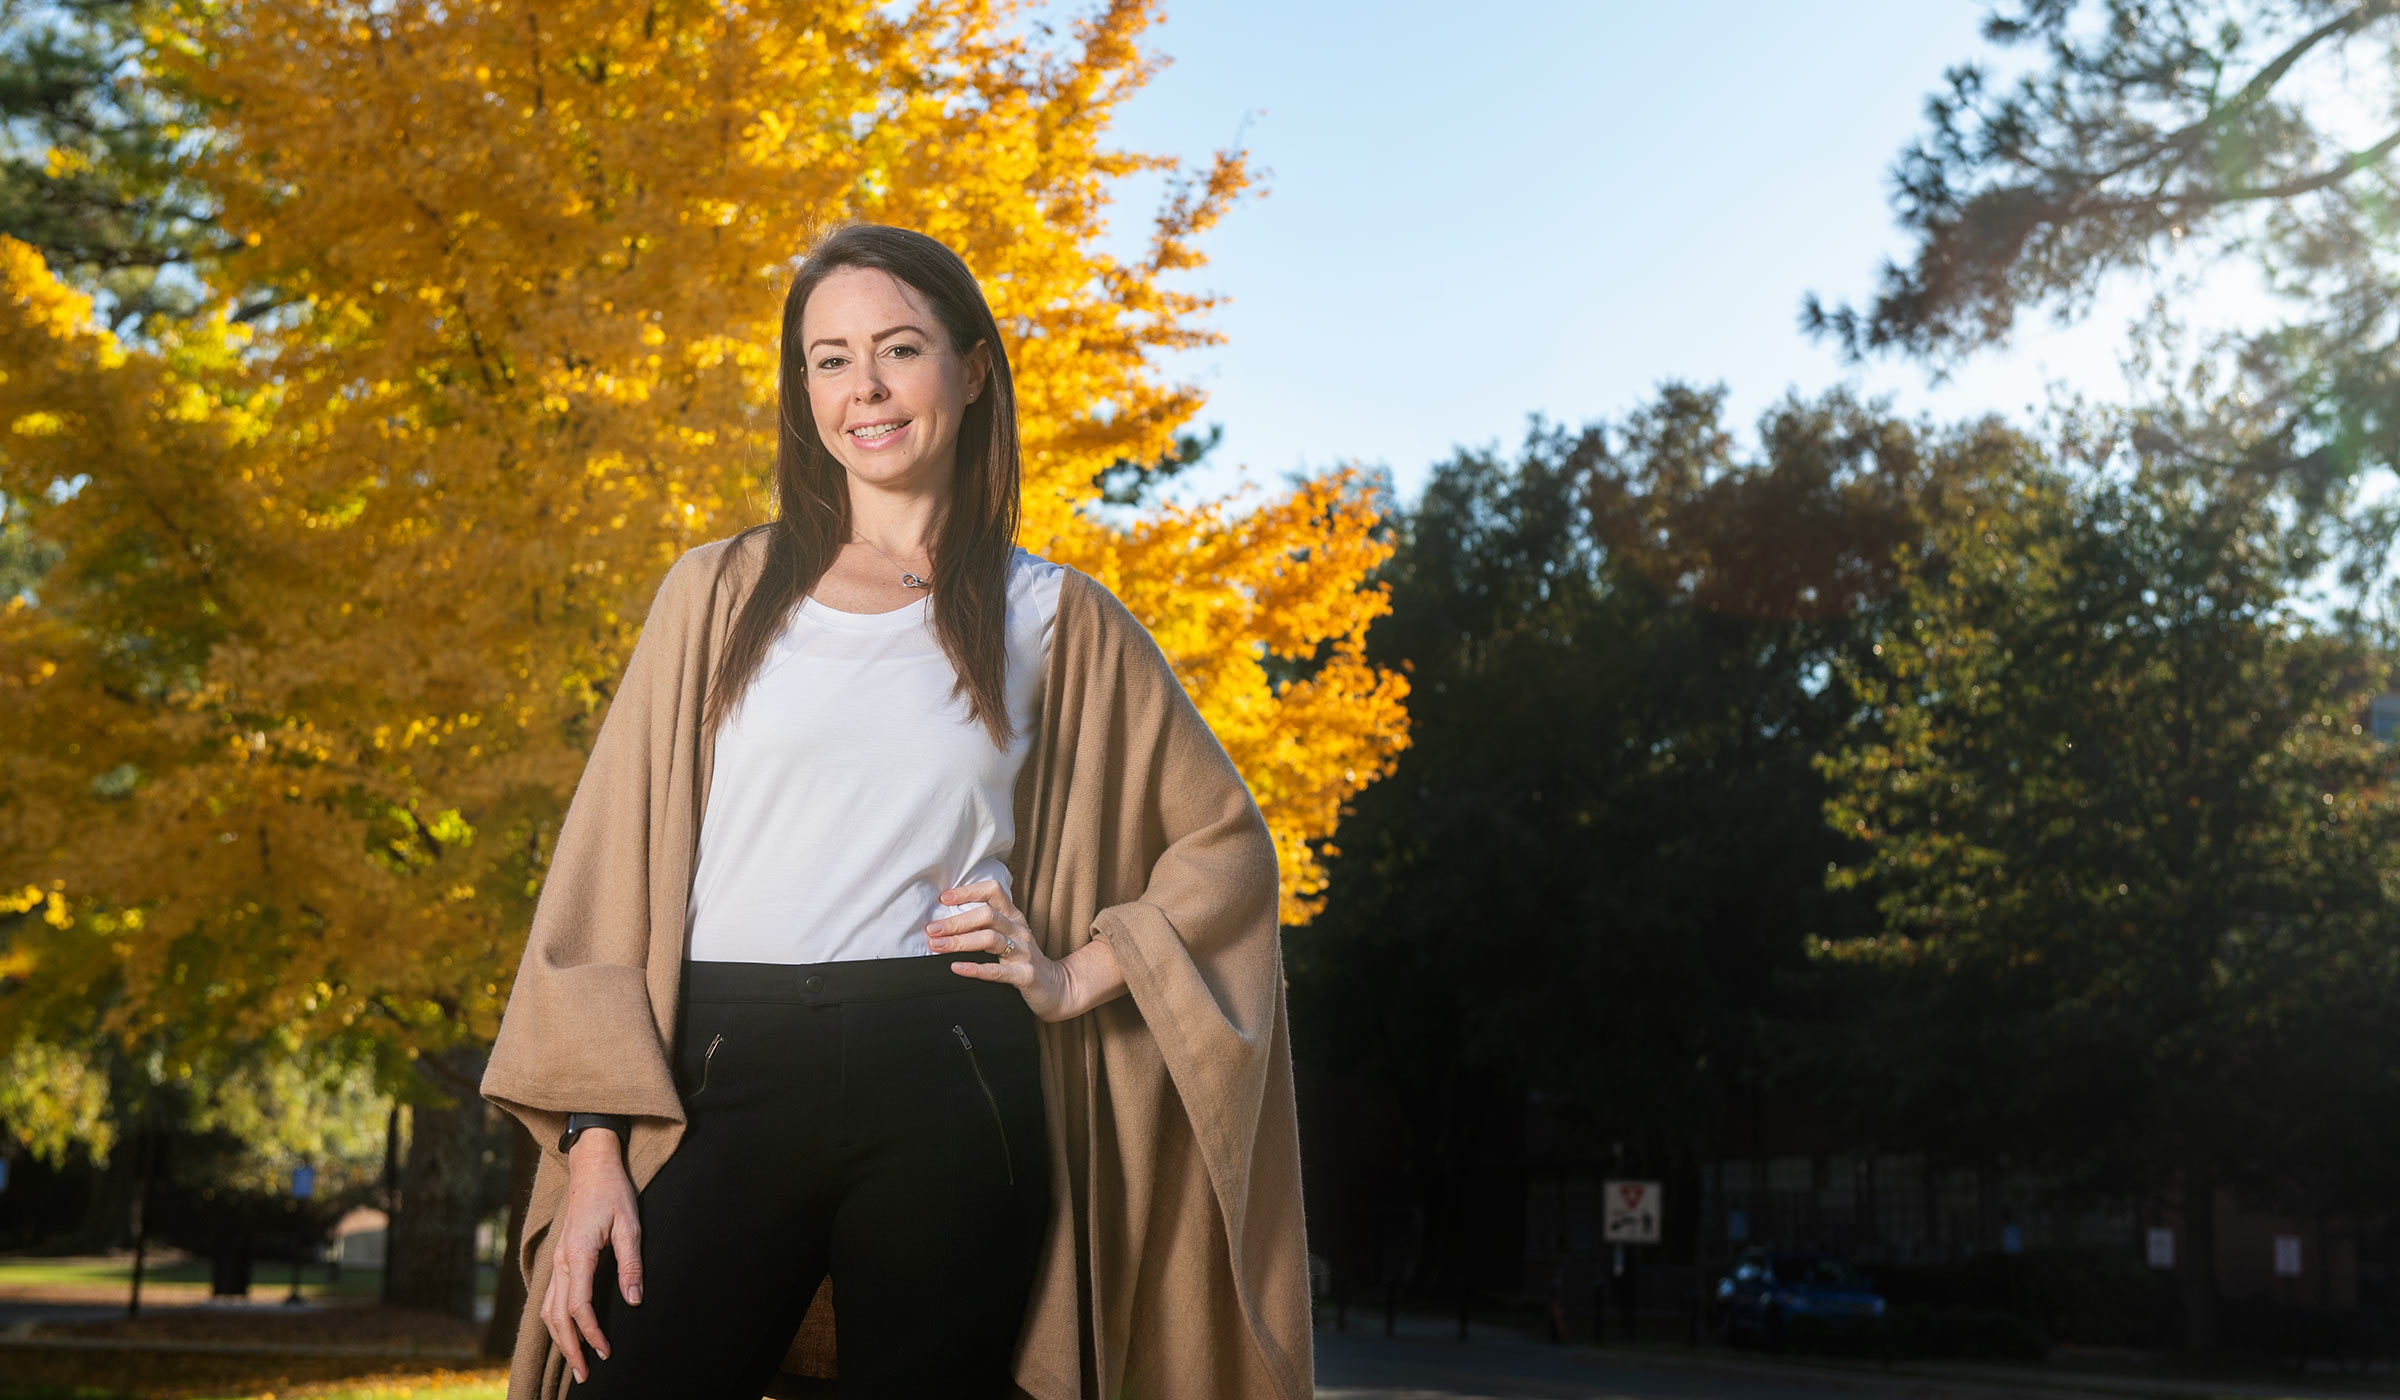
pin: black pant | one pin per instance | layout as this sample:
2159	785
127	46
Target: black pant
880	1120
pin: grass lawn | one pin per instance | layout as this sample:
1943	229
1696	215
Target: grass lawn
448	1390
268	1385
419	1360
182	1280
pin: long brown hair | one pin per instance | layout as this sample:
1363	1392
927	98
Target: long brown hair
978	530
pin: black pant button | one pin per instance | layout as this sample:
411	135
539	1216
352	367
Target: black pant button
816	984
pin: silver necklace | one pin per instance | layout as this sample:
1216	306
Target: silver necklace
907	579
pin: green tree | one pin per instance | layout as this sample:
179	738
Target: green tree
2132	849
1598	863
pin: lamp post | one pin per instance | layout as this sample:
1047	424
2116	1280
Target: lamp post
304	1188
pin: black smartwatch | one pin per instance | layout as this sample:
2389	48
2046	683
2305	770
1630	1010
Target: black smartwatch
577	1122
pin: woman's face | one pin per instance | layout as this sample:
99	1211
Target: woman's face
885	387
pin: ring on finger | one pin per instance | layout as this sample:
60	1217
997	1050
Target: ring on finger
1008	945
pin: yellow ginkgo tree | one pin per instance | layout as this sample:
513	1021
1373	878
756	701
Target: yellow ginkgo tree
347	564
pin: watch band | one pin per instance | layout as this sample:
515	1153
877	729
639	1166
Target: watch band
617	1123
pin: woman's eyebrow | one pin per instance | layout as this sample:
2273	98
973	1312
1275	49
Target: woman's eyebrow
879	335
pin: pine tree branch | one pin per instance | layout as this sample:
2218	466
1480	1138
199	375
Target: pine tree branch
2190	137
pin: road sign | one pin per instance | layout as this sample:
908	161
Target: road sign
1630	1211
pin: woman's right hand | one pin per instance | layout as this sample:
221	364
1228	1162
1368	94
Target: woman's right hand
599	1212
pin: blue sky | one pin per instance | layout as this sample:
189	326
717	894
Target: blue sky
1475	213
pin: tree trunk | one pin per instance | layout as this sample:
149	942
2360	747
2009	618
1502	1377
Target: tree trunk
2199	1262
108	1208
508	1297
430	1261
145	1148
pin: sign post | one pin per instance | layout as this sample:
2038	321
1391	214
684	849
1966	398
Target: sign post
1630	1212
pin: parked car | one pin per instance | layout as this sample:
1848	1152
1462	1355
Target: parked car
1774	1296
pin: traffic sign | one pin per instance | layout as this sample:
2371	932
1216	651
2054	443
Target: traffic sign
1629	1212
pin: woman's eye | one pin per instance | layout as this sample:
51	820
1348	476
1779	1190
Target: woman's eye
831	363
904	351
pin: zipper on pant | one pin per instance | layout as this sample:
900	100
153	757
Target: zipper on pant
707	1057
1007	1158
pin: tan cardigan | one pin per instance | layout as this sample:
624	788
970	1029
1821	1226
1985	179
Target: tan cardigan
1175	1264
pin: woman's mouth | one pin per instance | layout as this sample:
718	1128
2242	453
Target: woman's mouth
875	435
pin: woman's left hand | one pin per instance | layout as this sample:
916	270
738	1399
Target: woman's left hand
1057	989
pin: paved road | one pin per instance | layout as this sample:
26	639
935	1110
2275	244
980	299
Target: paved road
1355	1367
1429	1363
16	1316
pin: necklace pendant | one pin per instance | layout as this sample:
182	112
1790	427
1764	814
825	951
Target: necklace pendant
910	580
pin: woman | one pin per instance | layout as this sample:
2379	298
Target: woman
907	927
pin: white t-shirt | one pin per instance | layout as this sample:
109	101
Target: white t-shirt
850	788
